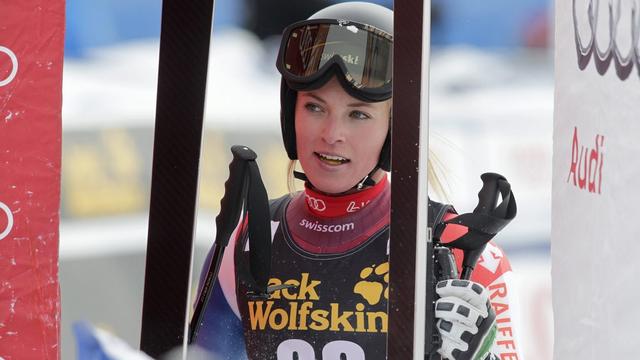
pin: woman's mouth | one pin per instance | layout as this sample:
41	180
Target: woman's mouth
333	160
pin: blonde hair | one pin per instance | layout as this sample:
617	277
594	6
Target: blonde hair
436	174
291	181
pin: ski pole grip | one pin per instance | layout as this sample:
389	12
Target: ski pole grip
487	201
234	190
488	195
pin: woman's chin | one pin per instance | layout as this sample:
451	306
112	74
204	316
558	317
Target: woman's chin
331	186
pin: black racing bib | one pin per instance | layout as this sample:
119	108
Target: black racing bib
336	311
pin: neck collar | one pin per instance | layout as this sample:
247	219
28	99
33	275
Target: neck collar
328	206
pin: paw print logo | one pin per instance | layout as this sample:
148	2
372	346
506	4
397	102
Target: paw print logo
374	279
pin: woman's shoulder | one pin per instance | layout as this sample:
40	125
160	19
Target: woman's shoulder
438	212
277	206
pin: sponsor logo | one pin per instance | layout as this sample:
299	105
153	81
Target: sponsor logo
505	343
353	207
491	257
349	58
585	171
5	53
324	228
316	204
608	31
5	212
302	311
374	284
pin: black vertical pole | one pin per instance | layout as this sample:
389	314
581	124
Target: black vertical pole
184	53
407	62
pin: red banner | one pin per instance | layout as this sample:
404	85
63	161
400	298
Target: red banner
31	56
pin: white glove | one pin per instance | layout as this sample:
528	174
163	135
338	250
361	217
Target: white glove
466	320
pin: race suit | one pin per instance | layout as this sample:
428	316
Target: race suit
335	252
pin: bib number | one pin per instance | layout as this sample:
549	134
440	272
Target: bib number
296	349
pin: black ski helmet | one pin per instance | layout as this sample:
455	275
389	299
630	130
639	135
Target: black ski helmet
377	22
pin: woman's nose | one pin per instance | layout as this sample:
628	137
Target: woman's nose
333	131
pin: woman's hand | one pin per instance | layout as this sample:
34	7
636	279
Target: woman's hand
466	320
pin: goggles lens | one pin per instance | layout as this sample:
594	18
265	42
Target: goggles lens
364	54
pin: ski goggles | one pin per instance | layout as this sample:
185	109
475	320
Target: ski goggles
363	53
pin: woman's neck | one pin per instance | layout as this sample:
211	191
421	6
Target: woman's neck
328	206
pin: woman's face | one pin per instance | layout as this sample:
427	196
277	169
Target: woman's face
338	137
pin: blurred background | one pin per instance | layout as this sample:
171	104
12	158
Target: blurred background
491	109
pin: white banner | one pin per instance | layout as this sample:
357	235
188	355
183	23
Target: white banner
596	168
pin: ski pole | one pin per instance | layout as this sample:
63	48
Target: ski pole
492	185
231	204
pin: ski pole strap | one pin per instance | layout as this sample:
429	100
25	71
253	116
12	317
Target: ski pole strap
256	276
259	232
485	221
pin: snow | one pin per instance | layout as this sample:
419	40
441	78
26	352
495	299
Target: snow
116	86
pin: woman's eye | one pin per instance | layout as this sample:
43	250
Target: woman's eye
313	107
359	115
